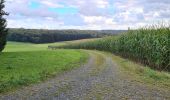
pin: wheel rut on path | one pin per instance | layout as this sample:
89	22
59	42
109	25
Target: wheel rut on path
99	79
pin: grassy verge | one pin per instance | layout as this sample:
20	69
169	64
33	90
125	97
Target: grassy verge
23	64
143	74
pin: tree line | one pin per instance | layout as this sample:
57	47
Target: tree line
49	36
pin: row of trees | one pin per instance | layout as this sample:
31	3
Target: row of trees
3	24
48	36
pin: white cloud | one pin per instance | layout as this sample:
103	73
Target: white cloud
101	3
51	4
97	20
91	14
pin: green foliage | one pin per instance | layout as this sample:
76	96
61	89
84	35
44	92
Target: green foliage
150	46
3	24
49	36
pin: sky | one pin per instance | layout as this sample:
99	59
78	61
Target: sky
86	14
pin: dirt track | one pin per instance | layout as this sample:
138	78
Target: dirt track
99	79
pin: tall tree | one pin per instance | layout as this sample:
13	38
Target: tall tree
3	24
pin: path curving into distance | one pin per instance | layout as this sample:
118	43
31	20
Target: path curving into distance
99	79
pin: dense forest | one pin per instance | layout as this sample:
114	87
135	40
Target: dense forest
49	36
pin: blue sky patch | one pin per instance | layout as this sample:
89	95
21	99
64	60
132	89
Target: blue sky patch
34	5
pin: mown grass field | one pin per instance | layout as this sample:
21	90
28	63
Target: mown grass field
23	63
19	46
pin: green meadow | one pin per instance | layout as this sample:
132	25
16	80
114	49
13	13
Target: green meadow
24	63
19	46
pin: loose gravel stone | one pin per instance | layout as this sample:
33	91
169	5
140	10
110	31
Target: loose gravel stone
82	84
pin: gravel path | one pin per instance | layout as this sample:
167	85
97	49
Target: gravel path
99	79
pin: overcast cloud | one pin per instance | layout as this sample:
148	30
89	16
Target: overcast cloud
86	14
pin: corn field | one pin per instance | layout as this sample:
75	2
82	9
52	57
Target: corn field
149	46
